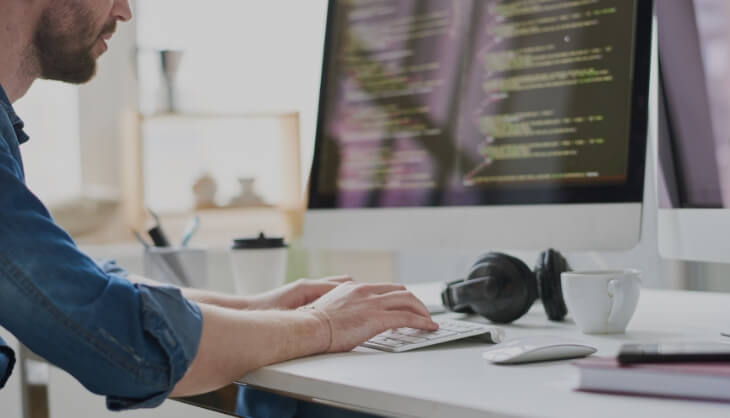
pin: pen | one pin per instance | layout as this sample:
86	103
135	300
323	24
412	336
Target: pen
140	239
190	231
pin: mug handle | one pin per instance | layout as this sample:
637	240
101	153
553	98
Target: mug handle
616	291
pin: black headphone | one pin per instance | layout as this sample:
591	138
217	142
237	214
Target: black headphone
502	288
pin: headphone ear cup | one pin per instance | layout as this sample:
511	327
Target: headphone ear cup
550	266
529	277
509	288
452	302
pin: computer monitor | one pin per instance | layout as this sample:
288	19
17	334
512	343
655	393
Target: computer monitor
477	124
694	130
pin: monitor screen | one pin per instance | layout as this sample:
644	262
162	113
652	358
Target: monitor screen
482	102
694	129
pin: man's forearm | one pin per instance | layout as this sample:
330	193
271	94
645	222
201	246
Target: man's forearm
235	343
201	296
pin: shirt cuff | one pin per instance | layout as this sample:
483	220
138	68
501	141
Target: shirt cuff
7	361
111	267
176	324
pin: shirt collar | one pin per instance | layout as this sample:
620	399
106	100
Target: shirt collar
14	118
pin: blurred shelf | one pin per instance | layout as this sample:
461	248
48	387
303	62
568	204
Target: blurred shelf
218	227
183	116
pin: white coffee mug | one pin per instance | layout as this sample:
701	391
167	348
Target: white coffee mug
602	302
259	264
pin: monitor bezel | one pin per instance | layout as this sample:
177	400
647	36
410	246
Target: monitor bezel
632	191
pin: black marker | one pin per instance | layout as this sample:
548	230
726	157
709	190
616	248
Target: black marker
156	233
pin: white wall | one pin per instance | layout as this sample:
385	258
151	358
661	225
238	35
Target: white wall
101	104
52	157
239	56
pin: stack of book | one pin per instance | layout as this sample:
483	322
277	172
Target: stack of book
705	381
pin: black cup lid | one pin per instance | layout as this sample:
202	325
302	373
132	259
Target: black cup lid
261	242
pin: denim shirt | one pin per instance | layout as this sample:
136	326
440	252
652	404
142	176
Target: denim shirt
131	343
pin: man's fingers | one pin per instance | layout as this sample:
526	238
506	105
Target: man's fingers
314	289
403	300
405	319
311	290
321	287
381	288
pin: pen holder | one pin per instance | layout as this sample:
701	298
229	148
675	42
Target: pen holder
186	267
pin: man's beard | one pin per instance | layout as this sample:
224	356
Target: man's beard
65	54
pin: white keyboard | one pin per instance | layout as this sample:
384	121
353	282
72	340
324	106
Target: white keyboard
404	339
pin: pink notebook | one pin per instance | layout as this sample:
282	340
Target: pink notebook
706	381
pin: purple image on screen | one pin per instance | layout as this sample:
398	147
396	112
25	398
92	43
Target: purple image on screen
694	45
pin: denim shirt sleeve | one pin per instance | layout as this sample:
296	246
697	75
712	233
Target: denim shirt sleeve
111	267
132	343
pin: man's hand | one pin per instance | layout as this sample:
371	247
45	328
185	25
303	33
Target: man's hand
235	342
296	294
358	312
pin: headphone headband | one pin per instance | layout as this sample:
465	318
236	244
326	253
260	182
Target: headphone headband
502	288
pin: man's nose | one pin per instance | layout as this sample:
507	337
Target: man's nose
122	10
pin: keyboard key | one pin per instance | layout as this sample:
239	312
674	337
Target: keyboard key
460	327
408	338
440	334
403	339
392	342
379	340
412	331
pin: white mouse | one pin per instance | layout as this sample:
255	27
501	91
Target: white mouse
533	349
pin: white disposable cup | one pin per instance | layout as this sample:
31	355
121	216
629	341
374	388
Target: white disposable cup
602	302
258	264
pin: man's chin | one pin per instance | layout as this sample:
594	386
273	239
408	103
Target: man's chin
80	76
75	71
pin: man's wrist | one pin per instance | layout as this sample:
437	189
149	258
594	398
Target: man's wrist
325	326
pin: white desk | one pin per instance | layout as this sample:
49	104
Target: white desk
453	381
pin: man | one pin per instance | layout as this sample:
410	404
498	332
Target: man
126	337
